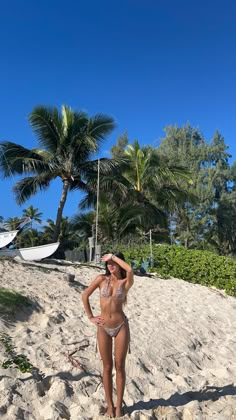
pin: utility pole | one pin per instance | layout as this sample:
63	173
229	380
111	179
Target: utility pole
151	252
97	248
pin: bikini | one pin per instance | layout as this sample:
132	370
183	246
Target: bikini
119	295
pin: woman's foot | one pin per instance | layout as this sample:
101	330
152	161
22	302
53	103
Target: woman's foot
110	412
119	412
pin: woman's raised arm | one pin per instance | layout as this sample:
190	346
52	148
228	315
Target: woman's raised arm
123	264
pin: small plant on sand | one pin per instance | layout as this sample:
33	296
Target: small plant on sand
19	361
15	360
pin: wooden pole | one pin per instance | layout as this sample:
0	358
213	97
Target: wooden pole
151	253
96	227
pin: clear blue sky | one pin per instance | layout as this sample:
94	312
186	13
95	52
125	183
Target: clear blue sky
148	63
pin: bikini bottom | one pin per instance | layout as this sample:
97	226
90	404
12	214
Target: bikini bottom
113	332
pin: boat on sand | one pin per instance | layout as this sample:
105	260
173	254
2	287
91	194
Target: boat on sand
34	253
7	237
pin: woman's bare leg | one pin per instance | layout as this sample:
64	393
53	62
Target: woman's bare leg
121	348
105	349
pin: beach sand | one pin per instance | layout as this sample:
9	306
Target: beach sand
183	348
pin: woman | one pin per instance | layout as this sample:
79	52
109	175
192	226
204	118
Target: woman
114	286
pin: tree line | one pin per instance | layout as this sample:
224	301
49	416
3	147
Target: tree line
182	190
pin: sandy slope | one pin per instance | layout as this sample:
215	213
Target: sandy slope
183	349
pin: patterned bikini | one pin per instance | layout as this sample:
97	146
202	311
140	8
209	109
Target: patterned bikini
119	295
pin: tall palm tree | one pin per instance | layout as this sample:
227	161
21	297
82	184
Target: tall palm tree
33	213
144	185
68	140
138	165
152	176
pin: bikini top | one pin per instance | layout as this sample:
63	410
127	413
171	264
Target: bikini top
106	290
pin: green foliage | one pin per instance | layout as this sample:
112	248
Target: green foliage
33	213
19	361
10	300
67	140
195	266
206	218
118	149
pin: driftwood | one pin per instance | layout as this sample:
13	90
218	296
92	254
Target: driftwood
75	362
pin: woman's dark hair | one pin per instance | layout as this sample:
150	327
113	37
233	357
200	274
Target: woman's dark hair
121	256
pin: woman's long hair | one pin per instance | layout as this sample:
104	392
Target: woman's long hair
122	271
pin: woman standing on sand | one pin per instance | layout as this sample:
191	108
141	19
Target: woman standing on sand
113	286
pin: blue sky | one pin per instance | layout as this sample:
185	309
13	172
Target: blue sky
148	63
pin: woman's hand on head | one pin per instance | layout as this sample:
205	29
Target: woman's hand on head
98	320
106	257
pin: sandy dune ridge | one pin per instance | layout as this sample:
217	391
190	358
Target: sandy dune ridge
183	348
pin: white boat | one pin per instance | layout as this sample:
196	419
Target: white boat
34	253
7	237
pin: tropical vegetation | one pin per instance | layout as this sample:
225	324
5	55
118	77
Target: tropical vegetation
182	191
195	266
67	140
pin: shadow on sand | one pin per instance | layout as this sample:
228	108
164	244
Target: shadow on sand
15	307
212	393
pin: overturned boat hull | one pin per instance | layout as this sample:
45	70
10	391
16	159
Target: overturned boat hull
7	237
34	253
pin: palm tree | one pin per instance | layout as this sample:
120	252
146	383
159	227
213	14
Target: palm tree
67	140
67	235
145	186
116	223
12	223
84	224
151	175
33	214
30	238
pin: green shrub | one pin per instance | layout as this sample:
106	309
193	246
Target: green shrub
195	266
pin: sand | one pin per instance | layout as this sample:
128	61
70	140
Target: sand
183	348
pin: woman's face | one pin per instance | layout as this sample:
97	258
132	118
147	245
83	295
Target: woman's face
113	267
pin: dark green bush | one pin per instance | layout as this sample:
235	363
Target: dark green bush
195	266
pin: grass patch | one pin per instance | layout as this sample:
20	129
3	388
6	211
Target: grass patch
10	300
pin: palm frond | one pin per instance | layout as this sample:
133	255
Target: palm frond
74	127
83	223
107	166
100	126
16	159
27	187
45	154
46	123
88	201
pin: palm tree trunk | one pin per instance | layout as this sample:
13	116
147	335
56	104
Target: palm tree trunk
138	178
65	189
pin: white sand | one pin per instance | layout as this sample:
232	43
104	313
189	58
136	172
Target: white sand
183	344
